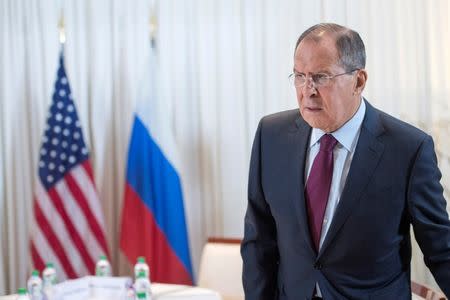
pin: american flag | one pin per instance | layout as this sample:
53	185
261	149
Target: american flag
68	226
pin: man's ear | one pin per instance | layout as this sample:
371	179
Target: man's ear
361	79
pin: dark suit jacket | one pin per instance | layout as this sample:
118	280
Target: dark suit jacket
393	182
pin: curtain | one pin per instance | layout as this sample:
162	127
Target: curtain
224	64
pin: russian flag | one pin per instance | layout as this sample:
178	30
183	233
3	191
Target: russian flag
153	220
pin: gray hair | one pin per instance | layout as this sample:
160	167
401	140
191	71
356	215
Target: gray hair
350	47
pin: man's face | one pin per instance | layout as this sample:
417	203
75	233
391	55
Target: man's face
326	107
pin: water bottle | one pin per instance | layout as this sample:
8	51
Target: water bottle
49	275
129	290
142	287
141	266
103	268
34	285
22	294
49	279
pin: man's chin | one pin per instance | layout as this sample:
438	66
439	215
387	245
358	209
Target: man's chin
312	117
314	123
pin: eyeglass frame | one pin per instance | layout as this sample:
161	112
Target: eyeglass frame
293	76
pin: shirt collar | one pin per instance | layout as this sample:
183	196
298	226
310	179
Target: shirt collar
346	135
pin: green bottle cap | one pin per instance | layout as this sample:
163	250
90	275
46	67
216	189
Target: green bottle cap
49	265
141	274
141	295
141	259
102	257
22	291
35	273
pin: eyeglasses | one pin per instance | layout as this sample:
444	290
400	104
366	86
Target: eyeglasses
319	79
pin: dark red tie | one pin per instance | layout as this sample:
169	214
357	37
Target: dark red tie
318	187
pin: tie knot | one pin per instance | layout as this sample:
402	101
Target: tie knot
327	143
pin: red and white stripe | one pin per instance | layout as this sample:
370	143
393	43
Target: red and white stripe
68	225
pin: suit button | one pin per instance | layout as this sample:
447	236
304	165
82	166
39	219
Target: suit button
318	266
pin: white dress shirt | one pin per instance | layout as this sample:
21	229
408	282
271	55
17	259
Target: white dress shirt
347	137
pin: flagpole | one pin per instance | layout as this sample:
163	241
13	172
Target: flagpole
153	24
61	28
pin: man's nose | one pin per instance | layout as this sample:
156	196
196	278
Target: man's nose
309	82
309	89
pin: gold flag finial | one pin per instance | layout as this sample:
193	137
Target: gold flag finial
62	32
153	25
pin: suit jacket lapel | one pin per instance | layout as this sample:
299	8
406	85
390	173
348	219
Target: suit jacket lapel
367	155
299	140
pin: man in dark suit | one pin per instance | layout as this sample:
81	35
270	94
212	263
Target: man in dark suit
335	186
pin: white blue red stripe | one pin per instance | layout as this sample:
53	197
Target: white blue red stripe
153	220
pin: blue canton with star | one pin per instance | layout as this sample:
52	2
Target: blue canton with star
63	146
